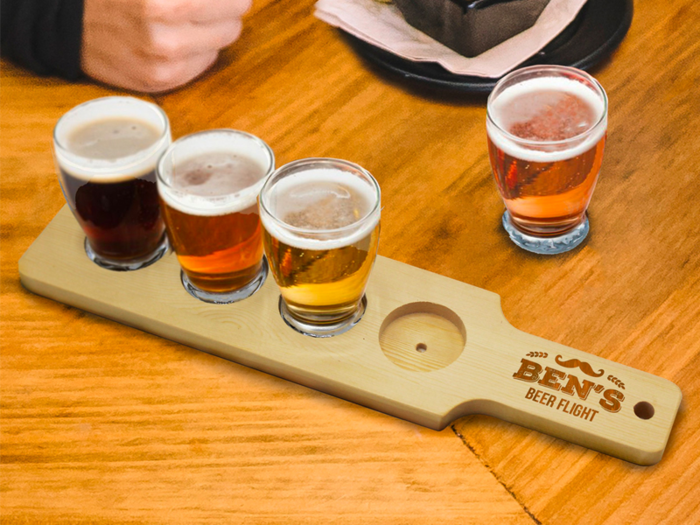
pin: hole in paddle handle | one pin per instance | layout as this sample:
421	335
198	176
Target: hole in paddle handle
644	410
421	347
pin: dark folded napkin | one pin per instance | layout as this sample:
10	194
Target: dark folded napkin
470	27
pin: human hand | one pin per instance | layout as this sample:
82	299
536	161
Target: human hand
156	45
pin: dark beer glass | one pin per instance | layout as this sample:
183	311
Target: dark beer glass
106	152
546	128
209	184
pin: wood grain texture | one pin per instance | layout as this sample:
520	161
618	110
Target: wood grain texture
100	423
490	375
629	294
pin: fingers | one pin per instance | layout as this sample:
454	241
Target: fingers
156	45
159	76
145	74
201	11
179	41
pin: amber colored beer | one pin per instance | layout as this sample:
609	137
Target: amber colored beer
321	232
211	212
218	253
546	138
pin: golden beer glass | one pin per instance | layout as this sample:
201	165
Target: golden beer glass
546	128
321	231
208	184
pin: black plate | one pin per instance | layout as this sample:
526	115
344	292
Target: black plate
596	32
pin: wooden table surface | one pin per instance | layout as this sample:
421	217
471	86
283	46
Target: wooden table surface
106	424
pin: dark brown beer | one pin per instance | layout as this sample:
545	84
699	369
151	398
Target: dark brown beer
107	171
120	218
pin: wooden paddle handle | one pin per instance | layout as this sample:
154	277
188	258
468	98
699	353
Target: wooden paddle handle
460	357
579	397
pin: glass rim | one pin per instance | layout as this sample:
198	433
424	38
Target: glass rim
224	131
100	166
329	161
557	69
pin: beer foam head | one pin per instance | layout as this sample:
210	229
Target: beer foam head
513	100
214	172
75	159
321	208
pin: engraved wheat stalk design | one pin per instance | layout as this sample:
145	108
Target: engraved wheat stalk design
616	381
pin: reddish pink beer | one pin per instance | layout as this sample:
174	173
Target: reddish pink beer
546	135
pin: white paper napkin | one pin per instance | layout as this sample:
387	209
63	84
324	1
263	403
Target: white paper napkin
383	26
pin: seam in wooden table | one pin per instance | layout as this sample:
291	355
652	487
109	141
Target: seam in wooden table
495	475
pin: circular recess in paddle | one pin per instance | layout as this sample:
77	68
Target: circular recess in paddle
422	337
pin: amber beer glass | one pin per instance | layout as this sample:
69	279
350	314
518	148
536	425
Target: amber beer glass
209	184
321	231
546	128
106	152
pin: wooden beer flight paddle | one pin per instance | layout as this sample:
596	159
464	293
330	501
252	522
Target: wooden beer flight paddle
429	349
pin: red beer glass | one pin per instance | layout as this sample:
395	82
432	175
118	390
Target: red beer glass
546	128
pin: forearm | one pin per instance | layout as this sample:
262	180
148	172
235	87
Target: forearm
142	45
43	35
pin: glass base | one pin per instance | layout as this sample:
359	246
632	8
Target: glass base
322	330
226	297
124	266
546	245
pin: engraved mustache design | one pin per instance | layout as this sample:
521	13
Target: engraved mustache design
585	367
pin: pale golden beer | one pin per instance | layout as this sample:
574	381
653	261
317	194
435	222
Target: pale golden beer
321	231
209	183
322	284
